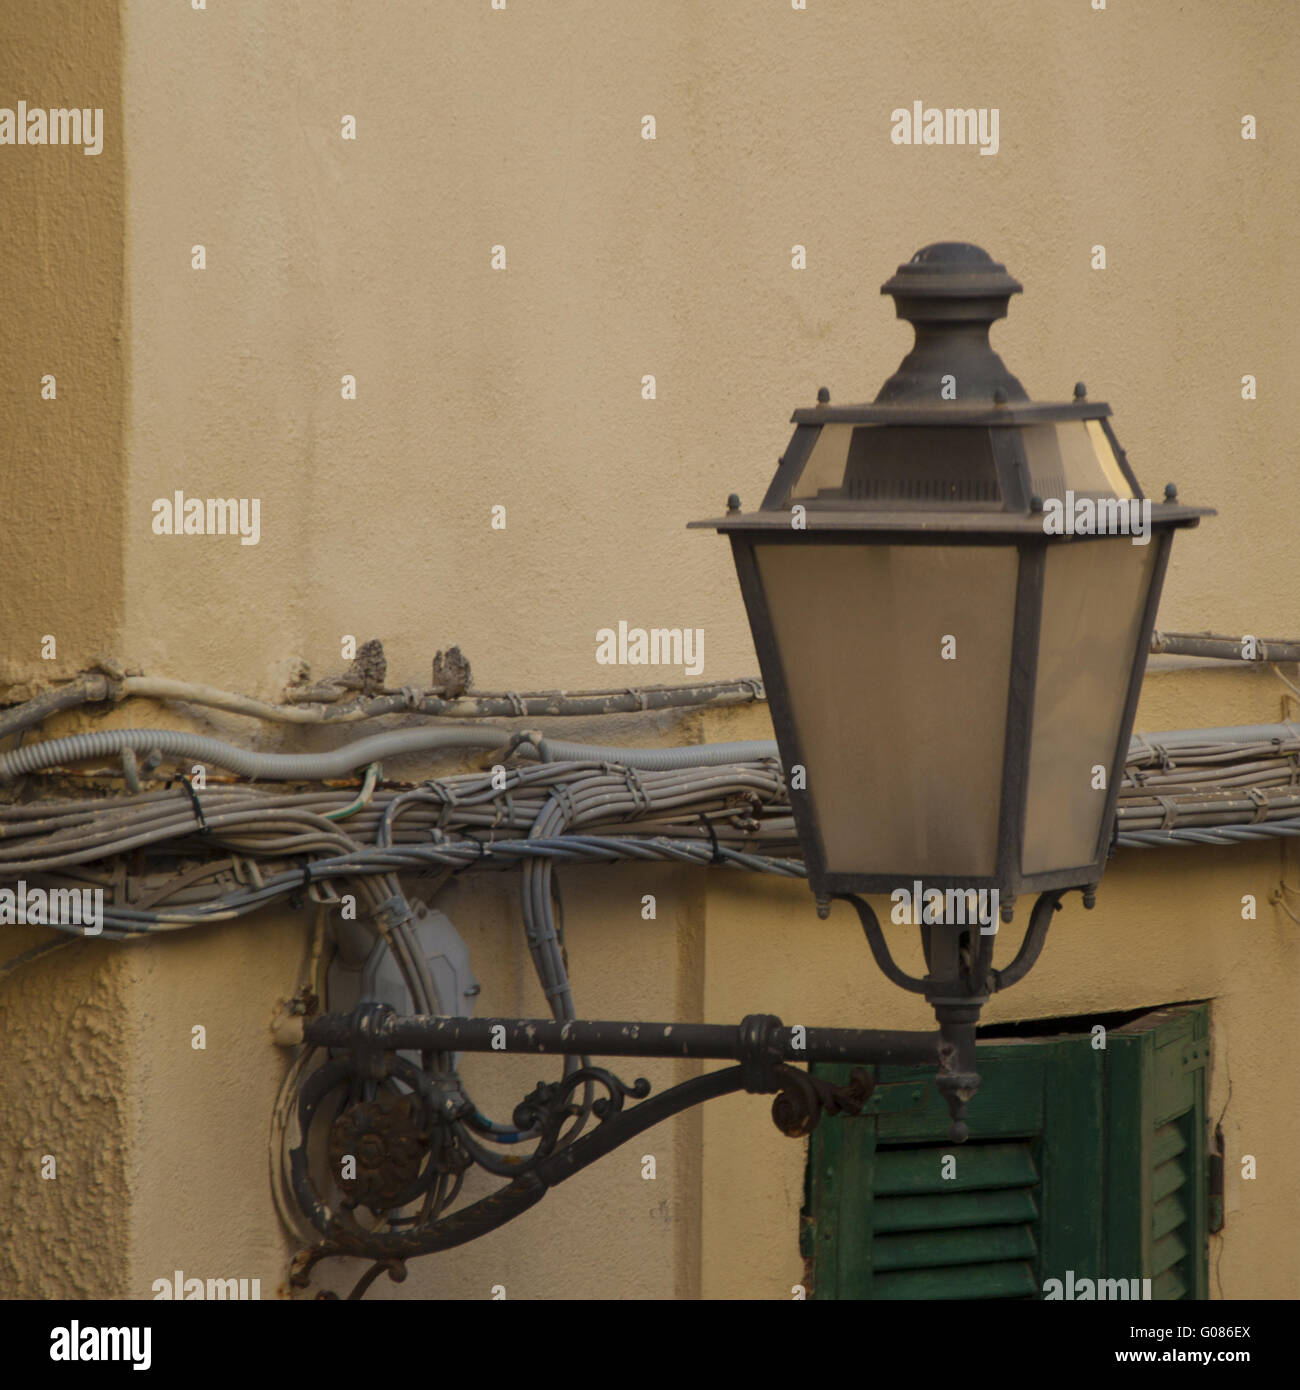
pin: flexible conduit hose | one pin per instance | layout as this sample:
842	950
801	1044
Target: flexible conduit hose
277	767
306	767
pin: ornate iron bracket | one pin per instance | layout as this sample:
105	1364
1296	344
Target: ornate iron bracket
762	1046
408	1140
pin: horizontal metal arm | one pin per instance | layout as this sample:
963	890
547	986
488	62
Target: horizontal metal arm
601	1038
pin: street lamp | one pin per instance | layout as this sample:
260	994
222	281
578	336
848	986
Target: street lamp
952	592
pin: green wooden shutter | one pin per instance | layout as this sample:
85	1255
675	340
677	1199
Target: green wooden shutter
1157	1178
1080	1159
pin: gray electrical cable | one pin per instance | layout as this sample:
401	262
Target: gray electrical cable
652	759
87	689
1233	735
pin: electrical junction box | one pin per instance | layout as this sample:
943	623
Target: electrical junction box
374	976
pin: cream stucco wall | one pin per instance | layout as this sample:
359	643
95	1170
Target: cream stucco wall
523	388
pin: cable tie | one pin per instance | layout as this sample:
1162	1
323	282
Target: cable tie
1171	812
194	798
713	839
638	695
412	697
392	912
483	852
560	794
640	797
516	703
1261	804
447	795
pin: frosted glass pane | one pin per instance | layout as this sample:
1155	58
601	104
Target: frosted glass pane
1073	456
825	466
1094	596
903	748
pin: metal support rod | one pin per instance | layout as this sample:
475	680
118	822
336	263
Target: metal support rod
1223	648
602	1038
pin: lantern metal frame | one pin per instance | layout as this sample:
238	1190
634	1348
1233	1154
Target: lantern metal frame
962	291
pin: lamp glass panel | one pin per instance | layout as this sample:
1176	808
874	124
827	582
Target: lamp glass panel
824	469
897	662
1119	484
1094	599
1072	456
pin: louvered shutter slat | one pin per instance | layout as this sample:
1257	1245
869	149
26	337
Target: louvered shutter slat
970	1281
955	1210
978	1166
978	1245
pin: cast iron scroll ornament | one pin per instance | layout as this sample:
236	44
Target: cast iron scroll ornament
387	1141
799	1103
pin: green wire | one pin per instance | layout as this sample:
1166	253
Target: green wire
373	773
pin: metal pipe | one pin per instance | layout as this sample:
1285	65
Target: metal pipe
717	1041
1222	648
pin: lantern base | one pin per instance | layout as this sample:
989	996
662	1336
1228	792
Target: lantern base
959	980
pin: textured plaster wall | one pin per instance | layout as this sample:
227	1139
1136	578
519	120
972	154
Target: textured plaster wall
523	388
65	1039
65	1103
63	314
